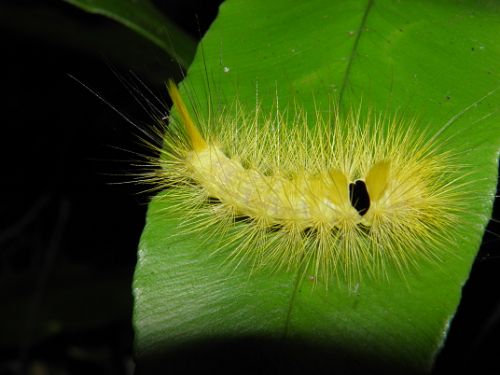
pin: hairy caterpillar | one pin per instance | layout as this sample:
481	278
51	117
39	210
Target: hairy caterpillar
348	197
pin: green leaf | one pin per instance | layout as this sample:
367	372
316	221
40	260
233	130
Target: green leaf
121	46
145	19
437	60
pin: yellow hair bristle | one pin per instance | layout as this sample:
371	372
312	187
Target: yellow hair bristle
197	141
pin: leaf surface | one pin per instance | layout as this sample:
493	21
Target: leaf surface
437	61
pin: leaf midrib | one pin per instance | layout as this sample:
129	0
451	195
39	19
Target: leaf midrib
354	49
345	79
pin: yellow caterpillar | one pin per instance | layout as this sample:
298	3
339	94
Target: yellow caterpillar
348	197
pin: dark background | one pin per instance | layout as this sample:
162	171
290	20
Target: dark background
69	227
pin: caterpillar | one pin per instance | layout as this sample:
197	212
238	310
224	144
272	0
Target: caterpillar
350	196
